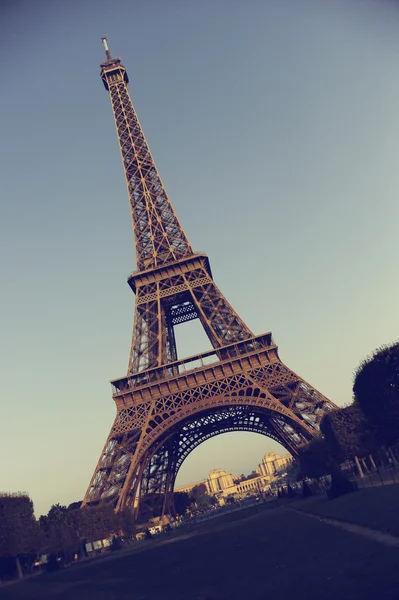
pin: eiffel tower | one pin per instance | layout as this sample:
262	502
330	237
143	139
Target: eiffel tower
167	406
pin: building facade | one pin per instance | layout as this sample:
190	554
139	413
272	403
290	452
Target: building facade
222	484
219	480
273	463
189	486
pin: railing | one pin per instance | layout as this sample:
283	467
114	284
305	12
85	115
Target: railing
171	262
191	363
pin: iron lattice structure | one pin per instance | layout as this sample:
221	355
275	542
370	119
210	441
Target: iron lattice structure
166	407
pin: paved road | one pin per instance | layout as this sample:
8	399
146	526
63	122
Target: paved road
277	554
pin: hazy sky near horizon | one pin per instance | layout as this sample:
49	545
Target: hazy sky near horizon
275	127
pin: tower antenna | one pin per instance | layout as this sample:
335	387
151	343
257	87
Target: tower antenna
107	52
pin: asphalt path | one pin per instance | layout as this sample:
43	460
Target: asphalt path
276	553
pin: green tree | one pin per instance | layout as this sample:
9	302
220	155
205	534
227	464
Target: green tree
60	532
19	530
182	501
198	491
57	514
200	496
75	519
347	433
314	459
150	507
97	522
376	390
293	471
126	522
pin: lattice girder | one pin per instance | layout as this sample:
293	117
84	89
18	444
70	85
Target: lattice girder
159	236
180	284
167	406
182	440
245	382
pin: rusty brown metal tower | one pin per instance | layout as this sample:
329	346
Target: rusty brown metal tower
166	407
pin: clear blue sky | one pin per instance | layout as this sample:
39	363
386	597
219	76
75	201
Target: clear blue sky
275	126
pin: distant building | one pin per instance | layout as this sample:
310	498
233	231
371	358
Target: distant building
222	484
253	486
219	480
273	463
189	486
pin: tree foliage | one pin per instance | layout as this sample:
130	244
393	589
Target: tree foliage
376	390
65	528
340	484
19	530
198	491
97	522
59	531
150	507
182	501
125	522
347	433
314	459
293	471
201	497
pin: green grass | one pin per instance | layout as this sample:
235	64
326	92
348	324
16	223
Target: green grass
273	553
376	507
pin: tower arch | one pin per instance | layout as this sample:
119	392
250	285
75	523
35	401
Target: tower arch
176	442
166	406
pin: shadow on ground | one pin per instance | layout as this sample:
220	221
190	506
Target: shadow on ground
274	553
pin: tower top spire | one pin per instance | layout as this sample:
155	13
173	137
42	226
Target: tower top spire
105	44
159	237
